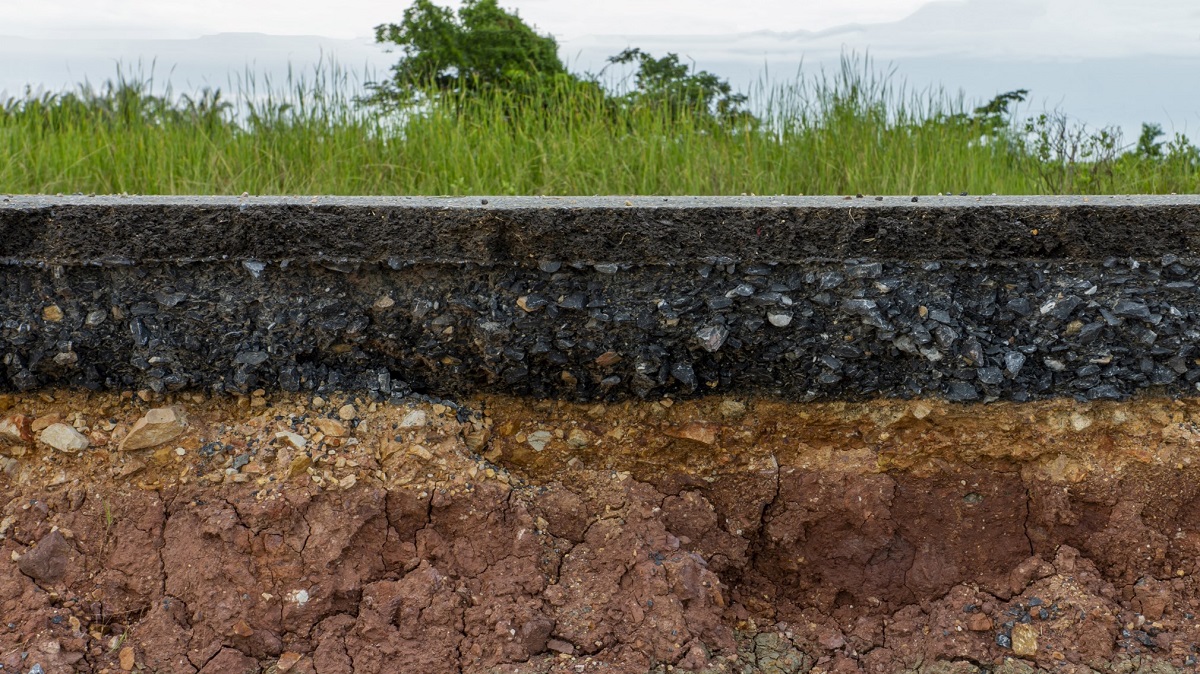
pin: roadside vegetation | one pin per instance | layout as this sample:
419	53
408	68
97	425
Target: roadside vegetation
479	103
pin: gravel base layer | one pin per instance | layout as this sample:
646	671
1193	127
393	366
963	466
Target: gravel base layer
855	329
966	299
333	534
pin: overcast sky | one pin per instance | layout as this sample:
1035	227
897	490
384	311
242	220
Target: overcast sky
354	18
1153	24
1108	61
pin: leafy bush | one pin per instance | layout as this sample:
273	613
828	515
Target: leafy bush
671	84
483	46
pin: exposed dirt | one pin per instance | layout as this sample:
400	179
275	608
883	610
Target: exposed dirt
719	535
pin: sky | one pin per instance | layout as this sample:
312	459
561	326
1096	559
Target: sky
1059	26
157	19
1105	61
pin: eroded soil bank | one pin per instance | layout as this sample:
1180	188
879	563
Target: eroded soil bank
293	534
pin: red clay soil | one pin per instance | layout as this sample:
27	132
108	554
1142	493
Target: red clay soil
293	535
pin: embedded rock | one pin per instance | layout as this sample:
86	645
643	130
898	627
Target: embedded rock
64	438
15	432
159	425
47	561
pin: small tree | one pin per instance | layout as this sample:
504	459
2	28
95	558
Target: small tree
482	46
668	82
995	115
1149	146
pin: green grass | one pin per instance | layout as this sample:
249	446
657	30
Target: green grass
853	130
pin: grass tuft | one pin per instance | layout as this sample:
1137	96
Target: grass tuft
853	130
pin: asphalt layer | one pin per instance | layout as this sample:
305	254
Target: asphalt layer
639	230
988	298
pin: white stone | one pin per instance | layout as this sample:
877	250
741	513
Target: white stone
414	419
779	319
64	438
294	439
160	425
